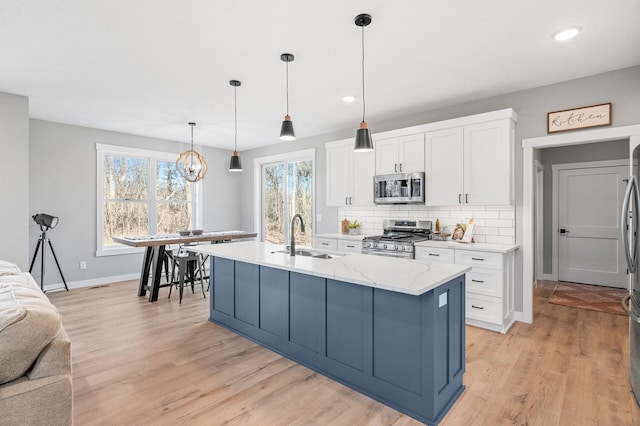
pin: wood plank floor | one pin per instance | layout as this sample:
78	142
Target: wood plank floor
141	363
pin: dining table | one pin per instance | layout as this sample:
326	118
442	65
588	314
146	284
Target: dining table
155	249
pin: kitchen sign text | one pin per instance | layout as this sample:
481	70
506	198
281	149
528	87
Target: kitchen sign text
579	118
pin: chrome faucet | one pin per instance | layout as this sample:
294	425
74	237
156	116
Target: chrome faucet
292	251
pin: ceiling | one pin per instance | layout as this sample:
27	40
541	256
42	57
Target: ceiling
148	67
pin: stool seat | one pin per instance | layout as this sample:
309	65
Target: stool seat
188	263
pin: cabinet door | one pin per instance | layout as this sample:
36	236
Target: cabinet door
444	163
350	246
488	163
387	156
325	243
339	164
411	153
362	177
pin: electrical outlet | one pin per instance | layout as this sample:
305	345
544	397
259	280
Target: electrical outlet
318	217
83	265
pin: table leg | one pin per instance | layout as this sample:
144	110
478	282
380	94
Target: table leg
158	258
144	274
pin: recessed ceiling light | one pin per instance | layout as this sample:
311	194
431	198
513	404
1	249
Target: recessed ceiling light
348	99
566	34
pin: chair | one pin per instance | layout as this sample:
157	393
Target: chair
188	263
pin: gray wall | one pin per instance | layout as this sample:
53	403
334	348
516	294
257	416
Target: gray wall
14	179
621	87
612	150
63	183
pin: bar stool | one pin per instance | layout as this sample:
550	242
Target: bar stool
188	263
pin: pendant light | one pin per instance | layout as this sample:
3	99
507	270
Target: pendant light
363	135
286	131
235	165
190	164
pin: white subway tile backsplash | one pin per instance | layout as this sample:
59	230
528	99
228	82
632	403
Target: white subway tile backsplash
487	214
494	224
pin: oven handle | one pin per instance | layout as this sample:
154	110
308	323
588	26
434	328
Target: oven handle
389	254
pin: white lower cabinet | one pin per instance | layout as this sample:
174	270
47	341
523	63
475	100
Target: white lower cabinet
325	243
489	284
350	246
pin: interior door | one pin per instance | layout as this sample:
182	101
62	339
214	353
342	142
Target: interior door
590	249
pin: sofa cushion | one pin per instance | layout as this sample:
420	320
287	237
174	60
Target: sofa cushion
24	335
8	268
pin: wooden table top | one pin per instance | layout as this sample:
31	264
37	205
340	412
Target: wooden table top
160	240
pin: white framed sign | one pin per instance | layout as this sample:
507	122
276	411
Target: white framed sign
579	118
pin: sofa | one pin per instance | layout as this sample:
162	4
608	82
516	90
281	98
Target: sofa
35	355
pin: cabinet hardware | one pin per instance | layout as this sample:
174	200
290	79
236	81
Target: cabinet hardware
401	167
466	198
434	254
350	202
395	168
351	246
346	200
477	307
477	258
477	281
325	244
459	198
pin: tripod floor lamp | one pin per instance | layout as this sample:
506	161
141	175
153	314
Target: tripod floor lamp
45	222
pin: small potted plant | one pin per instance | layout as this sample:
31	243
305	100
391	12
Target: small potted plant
354	227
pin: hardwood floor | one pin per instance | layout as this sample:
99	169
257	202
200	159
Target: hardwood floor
136	363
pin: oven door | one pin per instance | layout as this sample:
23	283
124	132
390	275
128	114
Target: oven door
402	254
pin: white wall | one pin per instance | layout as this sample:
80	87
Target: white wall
14	179
621	87
63	183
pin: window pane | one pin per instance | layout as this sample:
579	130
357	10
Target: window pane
300	187
124	218
173	217
273	190
125	178
171	186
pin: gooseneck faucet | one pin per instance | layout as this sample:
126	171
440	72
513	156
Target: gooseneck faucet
293	238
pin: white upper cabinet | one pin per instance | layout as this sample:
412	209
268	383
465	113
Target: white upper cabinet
470	165
400	155
349	175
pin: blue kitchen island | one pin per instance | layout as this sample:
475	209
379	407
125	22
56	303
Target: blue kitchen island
390	328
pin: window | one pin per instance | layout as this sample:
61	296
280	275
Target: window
141	193
286	188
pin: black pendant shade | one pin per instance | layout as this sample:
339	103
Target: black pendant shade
363	139
235	165
286	131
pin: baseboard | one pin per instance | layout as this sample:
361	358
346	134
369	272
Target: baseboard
548	277
92	282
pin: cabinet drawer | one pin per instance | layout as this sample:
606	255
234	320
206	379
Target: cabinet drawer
350	246
485	281
435	254
482	259
484	308
325	243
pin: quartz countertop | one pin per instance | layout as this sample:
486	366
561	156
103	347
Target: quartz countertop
408	276
356	237
496	248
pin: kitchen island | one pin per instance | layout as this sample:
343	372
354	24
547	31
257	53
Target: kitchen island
392	329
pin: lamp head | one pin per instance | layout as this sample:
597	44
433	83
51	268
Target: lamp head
45	220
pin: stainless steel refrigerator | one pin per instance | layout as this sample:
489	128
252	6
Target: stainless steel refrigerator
631	237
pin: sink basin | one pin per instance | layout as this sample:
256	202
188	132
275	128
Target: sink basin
311	253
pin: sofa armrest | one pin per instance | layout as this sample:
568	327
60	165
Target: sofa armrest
54	359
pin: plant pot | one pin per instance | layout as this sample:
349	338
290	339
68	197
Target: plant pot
354	231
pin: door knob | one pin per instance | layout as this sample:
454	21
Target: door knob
563	231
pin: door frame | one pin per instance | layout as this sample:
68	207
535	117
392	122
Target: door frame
631	133
555	168
539	229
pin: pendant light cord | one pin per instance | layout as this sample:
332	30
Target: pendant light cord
235	102
287	88
363	100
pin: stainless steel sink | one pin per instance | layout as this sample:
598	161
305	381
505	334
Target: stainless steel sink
311	253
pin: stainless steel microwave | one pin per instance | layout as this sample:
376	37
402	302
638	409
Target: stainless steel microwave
399	188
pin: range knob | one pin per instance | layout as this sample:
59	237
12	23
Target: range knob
384	246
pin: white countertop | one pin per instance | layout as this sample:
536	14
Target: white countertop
413	277
496	248
357	237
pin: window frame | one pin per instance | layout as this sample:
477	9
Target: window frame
258	163
152	209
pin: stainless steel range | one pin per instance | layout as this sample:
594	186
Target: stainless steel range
398	238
